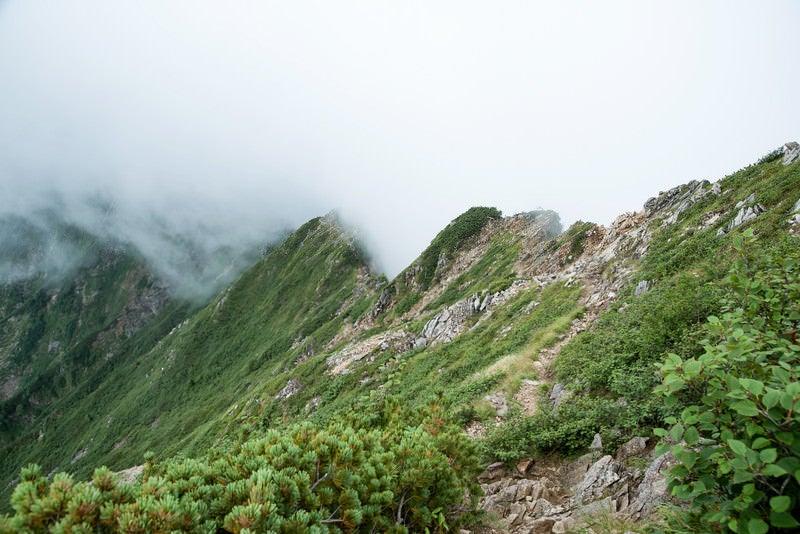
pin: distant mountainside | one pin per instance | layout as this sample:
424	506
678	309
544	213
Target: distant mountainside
536	341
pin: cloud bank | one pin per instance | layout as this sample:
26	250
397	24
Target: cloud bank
224	124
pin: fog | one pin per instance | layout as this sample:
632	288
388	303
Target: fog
221	125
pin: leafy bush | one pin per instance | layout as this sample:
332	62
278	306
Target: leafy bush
772	156
737	428
392	471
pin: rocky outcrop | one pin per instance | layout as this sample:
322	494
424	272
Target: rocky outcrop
397	340
449	323
557	498
748	208
791	152
794	220
292	387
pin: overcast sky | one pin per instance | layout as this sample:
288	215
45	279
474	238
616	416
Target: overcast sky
253	116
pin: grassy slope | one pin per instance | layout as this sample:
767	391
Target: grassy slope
171	397
218	374
612	365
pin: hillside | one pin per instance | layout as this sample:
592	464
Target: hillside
536	342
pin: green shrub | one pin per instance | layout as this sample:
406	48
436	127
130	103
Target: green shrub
451	238
392	470
737	424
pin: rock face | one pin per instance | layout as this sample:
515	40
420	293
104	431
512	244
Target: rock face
749	209
292	387
553	499
791	152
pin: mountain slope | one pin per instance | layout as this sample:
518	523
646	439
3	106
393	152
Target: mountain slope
533	340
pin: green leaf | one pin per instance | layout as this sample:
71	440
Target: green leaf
741	476
773	470
753	386
674	360
771	398
760	443
780	503
768	456
676	433
783	520
691	368
737	447
687	457
757	526
691	436
745	407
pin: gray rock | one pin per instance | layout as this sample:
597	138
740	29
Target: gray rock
795	218
543	508
559	394
652	491
493	472
499	403
632	447
598	480
791	152
642	287
568	524
597	443
746	202
573	472
291	387
748	210
542	526
527	488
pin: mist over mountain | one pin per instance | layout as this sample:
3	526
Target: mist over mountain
195	245
220	127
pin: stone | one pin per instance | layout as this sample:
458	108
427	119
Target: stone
524	466
517	511
573	473
493	472
791	152
597	443
291	387
525	488
749	200
313	404
598	480
748	210
642	287
566	525
542	526
652	491
499	403
508	495
542	508
633	447
559	394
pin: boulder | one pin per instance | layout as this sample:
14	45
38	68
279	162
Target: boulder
748	210
632	447
542	526
291	387
652	491
642	287
598	481
791	152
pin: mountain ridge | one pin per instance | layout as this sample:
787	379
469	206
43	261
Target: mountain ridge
500	319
